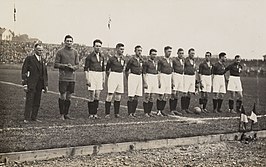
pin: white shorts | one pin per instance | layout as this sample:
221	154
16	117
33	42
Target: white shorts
234	84
178	80
115	82
152	82
189	83
96	80
135	85
218	84
206	81
166	84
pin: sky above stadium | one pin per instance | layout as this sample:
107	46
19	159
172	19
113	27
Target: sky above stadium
232	26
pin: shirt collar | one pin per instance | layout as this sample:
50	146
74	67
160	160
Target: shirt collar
38	57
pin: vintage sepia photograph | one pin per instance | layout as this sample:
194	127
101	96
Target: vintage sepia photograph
139	83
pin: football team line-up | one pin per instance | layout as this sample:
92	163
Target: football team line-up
165	79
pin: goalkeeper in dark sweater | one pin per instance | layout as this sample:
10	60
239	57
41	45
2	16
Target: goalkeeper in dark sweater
67	61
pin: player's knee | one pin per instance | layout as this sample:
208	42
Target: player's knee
109	97
136	97
68	96
97	95
62	96
130	98
117	97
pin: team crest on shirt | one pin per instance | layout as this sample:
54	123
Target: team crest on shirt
122	62
140	63
239	68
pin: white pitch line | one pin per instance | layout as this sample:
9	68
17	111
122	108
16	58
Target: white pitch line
93	125
178	118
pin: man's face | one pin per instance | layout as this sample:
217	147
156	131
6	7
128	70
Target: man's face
68	42
153	55
120	50
238	59
168	53
180	54
223	58
39	50
191	54
97	47
138	51
208	57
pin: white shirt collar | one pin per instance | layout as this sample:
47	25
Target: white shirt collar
38	57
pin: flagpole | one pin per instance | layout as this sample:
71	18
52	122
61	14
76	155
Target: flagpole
109	33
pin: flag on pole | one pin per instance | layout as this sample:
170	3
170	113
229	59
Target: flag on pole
253	115
109	23
15	11
243	116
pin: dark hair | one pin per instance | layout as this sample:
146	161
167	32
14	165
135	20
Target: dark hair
68	36
153	50
237	56
208	53
222	54
37	44
119	45
180	49
191	49
97	41
167	47
138	46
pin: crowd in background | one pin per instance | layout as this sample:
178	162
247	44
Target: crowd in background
13	52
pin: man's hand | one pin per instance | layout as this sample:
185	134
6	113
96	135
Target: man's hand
145	85
88	83
45	89
173	85
25	88
70	67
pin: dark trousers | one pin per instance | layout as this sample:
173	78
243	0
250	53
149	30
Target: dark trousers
33	99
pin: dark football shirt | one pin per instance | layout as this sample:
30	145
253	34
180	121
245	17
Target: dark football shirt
149	67
93	64
205	68
178	65
164	66
115	64
134	65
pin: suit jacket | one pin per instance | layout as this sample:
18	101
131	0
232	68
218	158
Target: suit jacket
33	71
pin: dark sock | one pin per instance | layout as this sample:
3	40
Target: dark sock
150	104
90	107
215	102
220	102
238	105
145	107
188	103
163	104
129	106
231	104
116	107
205	101
200	101
96	103
173	104
183	99
61	103
67	105
159	104
135	104
107	107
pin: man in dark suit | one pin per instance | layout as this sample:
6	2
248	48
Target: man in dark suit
34	80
